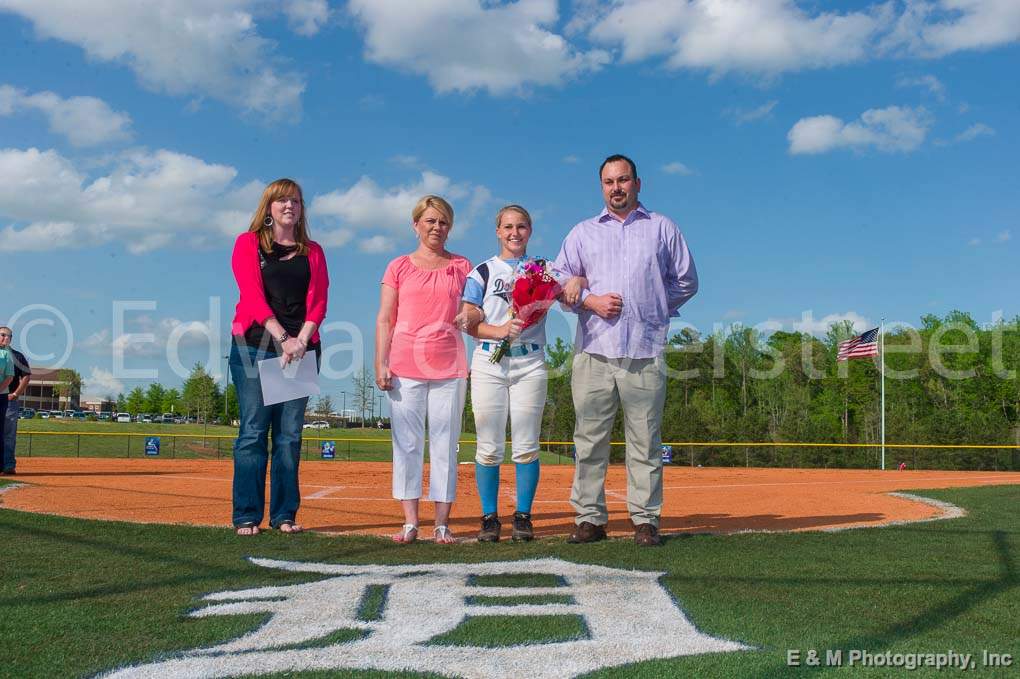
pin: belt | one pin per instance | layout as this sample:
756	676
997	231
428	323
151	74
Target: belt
515	350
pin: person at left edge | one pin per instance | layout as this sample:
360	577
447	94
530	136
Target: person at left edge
13	393
6	375
283	283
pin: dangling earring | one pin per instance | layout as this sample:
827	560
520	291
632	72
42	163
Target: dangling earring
268	221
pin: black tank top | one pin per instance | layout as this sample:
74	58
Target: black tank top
285	284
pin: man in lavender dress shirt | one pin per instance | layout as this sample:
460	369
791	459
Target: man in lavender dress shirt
639	273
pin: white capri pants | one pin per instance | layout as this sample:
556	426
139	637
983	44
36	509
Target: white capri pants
517	384
410	401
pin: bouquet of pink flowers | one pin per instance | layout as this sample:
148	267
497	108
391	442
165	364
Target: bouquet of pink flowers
533	289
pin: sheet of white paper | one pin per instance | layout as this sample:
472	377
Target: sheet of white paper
297	380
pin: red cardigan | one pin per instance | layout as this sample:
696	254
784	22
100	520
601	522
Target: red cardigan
252	306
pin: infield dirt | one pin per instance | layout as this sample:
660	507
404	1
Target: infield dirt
354	497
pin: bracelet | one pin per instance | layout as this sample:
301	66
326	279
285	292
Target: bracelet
283	338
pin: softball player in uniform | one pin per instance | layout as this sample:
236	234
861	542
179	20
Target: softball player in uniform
515	386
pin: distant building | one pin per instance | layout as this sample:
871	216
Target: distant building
42	392
99	405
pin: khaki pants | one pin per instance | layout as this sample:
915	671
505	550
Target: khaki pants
599	385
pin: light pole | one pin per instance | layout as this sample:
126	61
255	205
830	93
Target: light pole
343	408
226	385
380	397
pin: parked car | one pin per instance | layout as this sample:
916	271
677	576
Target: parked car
104	416
44	414
167	418
123	417
318	424
78	415
27	413
68	414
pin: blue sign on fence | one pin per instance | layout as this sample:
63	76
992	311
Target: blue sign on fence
152	445
328	450
667	454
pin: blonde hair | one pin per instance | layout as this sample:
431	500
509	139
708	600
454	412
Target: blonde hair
434	202
512	208
275	191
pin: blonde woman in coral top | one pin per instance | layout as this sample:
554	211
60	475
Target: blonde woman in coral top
421	363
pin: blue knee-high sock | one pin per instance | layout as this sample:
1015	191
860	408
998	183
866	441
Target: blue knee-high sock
487	479
527	483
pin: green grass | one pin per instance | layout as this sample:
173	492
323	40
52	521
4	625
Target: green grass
79	597
59	438
490	631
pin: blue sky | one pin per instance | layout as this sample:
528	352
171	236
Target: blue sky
847	160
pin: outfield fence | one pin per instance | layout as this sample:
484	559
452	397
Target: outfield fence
1005	457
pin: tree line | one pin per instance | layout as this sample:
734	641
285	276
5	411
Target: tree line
948	381
200	396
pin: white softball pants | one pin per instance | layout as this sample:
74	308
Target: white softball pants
517	385
443	402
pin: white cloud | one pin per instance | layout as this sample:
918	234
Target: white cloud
1003	236
210	48
941	27
775	36
928	82
37	237
571	159
306	17
465	45
190	334
377	244
742	116
85	121
334	239
821	326
102	383
371	102
368	207
406	161
759	36
886	129
974	131
676	167
974	242
146	200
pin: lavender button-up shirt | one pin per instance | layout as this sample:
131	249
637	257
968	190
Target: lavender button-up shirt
646	261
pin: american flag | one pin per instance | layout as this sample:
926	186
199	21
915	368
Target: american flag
865	344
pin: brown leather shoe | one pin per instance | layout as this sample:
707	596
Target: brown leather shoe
647	535
587	532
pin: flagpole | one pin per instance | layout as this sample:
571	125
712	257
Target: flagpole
881	359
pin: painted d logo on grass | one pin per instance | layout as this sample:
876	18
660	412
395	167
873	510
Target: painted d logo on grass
627	617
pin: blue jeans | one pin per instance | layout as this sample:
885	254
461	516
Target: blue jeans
3	433
251	449
9	429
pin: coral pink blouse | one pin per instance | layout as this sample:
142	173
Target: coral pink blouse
426	345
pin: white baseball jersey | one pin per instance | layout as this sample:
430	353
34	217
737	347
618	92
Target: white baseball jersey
488	287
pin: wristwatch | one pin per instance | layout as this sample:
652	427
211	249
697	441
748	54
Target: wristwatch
283	338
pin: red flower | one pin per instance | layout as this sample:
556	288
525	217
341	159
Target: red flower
532	297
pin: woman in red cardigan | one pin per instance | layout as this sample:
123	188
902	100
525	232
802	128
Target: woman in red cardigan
283	282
